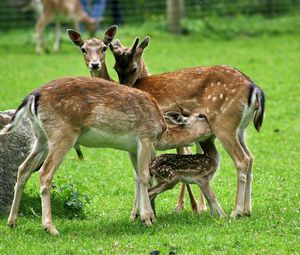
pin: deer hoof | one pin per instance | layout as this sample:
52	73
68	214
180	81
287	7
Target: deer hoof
236	214
178	208
134	215
148	220
11	224
50	229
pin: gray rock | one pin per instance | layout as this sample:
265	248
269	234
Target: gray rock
14	148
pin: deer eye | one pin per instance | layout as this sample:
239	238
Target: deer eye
201	116
83	50
133	70
104	48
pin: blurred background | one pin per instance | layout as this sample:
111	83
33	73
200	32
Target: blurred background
180	16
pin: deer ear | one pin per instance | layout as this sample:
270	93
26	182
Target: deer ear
75	37
110	34
143	45
176	118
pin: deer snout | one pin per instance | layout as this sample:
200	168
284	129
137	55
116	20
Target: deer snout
95	65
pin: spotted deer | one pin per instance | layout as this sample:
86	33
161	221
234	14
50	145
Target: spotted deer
228	98
96	113
48	9
169	169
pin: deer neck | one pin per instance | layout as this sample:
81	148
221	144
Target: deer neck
175	136
143	72
102	73
209	148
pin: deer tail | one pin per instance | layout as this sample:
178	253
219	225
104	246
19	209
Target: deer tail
257	99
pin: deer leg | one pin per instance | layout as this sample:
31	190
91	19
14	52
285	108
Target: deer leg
202	206
213	203
41	23
34	159
160	188
57	37
144	159
57	151
247	202
135	210
241	160
194	204
180	202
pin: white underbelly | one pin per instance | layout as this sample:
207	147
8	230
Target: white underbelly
95	138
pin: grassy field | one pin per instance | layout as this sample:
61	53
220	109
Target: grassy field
106	176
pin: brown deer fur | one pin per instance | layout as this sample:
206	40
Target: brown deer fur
228	98
96	113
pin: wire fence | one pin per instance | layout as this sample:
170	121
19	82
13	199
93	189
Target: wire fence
12	15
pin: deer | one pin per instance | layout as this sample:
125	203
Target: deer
94	50
228	98
47	9
169	169
96	113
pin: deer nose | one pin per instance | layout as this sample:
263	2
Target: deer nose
95	65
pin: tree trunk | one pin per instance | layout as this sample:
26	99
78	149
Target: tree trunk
175	11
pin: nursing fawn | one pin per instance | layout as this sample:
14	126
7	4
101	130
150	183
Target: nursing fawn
169	169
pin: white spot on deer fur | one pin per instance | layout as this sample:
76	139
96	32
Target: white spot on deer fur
207	110
233	90
214	99
219	83
209	96
221	96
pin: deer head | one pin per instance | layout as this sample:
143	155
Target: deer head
129	65
94	49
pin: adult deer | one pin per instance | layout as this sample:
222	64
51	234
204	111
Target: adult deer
47	9
96	113
228	98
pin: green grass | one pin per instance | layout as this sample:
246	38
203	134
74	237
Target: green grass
106	175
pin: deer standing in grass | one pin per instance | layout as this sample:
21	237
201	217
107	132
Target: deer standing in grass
228	98
96	113
169	169
47	9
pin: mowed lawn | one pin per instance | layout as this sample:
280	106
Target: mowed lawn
106	176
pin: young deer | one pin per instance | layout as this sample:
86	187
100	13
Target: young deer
169	169
47	9
94	51
96	113
228	98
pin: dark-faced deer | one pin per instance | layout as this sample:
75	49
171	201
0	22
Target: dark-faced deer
228	98
169	169
96	113
93	51
50	8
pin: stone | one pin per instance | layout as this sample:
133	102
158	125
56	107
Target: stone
14	148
